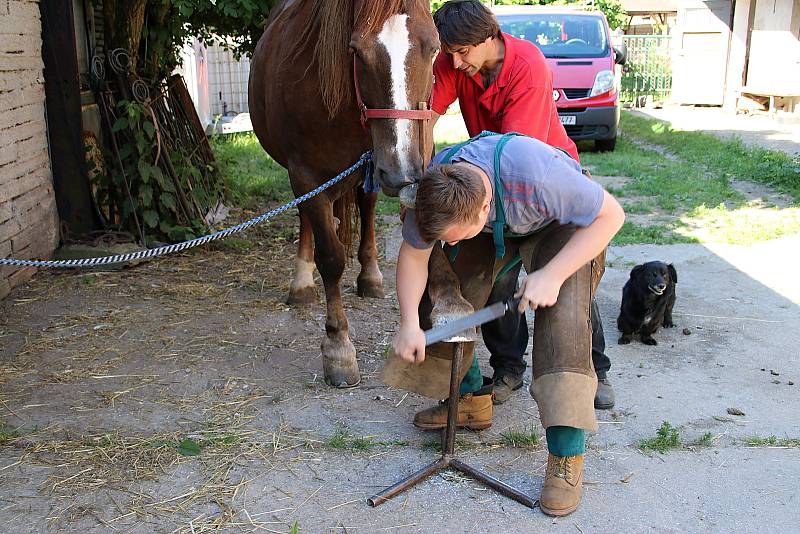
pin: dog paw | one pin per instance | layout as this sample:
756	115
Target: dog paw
668	324
649	341
624	340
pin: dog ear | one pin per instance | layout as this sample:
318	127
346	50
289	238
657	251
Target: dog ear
637	271
673	274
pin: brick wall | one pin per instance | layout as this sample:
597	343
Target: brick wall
28	217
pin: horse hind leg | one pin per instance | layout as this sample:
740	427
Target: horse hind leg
370	279
338	353
302	289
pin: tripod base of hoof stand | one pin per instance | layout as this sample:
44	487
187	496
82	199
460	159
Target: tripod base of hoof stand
447	460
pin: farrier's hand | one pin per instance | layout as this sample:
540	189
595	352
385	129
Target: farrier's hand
409	343
539	290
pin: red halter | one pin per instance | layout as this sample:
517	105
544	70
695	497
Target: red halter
376	113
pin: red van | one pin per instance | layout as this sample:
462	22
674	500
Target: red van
578	49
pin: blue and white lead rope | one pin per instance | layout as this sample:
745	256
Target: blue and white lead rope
168	249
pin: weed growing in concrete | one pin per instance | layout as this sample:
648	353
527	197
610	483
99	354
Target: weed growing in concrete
706	440
525	439
7	433
771	441
343	440
667	437
432	445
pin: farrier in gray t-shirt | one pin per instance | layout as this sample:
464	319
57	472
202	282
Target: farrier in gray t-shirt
541	184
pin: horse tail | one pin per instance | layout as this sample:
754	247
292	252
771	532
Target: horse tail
344	209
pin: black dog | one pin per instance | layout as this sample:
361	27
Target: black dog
647	301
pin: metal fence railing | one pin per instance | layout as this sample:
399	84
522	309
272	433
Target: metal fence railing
648	70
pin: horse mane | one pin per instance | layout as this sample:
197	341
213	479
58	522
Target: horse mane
333	21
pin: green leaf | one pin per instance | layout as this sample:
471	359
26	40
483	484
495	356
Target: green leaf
163	181
188	447
121	124
146	194
149	129
126	151
150	218
168	201
145	170
295	528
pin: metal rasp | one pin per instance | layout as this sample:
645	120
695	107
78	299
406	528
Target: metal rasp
484	315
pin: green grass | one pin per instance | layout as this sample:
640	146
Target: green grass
771	441
706	440
432	445
250	174
683	200
7	433
667	438
632	234
689	198
728	158
344	440
526	439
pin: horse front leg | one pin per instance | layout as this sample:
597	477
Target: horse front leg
370	279
457	288
339	362
302	289
444	291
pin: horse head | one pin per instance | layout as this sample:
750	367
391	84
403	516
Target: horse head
392	73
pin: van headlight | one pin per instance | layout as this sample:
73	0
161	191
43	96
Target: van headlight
603	83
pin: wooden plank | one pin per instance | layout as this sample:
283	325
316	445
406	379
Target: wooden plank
62	90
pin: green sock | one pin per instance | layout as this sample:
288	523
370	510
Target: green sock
566	441
473	380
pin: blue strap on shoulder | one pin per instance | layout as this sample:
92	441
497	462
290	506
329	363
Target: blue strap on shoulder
499	225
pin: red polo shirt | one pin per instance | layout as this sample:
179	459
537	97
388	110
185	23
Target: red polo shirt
519	100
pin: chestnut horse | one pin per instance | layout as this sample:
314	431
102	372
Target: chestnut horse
318	68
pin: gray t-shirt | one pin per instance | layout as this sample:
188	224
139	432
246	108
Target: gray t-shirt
541	184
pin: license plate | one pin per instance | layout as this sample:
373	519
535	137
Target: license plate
567	119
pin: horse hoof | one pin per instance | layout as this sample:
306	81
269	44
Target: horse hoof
339	362
341	382
444	312
370	289
306	295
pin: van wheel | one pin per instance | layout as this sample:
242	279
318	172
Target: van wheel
605	145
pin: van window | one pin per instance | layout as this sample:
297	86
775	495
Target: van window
559	36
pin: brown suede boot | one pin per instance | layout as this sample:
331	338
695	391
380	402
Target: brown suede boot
474	411
563	484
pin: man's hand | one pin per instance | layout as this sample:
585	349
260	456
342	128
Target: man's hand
539	290
409	343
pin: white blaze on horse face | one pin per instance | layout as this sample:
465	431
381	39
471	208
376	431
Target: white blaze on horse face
394	37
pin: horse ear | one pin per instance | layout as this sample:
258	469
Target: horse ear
637	271
673	274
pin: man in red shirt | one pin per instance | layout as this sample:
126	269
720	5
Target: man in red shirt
503	84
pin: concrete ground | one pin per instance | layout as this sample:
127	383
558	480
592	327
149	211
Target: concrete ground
740	307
